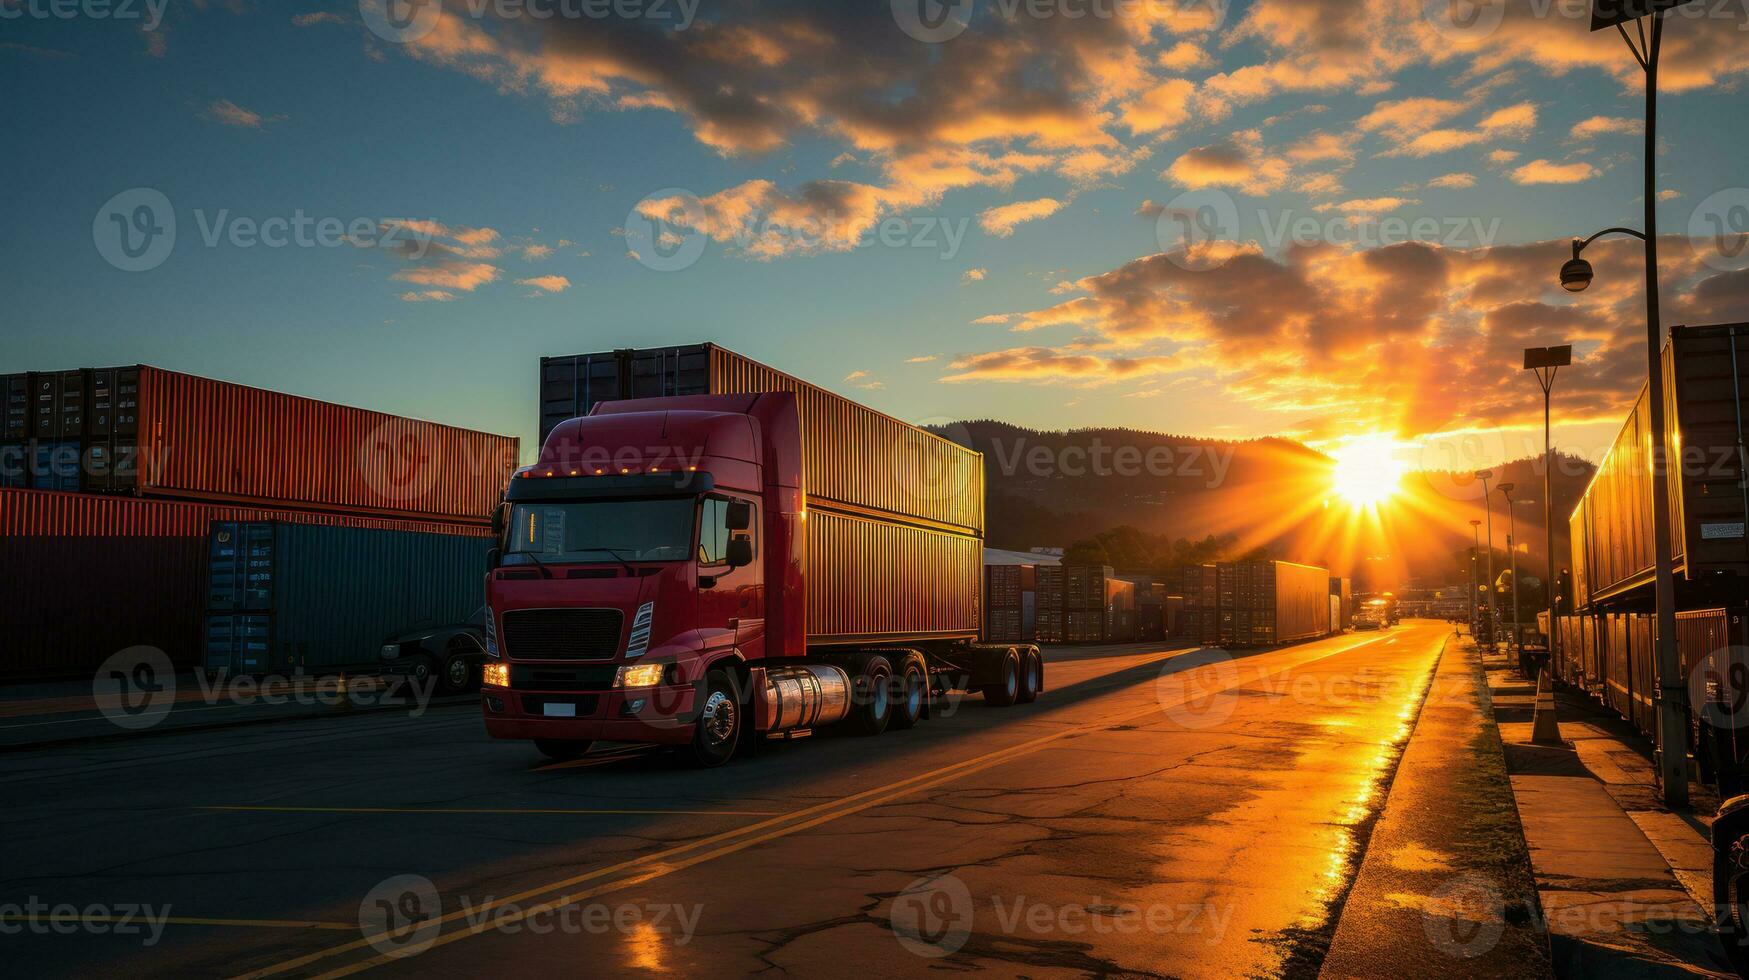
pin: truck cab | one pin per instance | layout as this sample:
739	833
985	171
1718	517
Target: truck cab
650	587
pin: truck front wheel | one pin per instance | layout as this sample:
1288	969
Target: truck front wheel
718	728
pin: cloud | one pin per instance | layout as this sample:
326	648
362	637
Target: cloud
992	319
1161	107
1319	147
228	113
1607	126
855	376
920	359
428	296
317	17
1001	221
1239	162
1300	335
1372	205
1455	180
463	276
1043	364
1502	156
1509	122
537	252
547	284
1544	172
973	275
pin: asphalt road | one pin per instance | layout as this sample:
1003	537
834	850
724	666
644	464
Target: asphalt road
1157	812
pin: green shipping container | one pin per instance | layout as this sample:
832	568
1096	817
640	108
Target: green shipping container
301	597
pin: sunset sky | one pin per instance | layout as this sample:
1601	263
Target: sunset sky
987	222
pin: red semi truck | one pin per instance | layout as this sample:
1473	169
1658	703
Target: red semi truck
761	558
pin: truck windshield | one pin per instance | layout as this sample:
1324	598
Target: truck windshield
601	531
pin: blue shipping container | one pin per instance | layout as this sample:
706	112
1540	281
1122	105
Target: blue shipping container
288	597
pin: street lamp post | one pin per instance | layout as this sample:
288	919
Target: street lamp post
1475	552
1512	557
1547	362
1575	276
1488	511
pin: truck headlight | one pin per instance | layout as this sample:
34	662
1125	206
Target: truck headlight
391	651
495	675
639	675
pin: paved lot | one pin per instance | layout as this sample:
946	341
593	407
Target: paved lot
1158	812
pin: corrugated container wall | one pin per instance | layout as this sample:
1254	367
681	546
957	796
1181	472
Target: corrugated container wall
85	576
869	577
150	432
853	456
1706	373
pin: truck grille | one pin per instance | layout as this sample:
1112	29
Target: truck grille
562	634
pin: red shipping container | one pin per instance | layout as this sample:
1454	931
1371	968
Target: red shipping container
177	436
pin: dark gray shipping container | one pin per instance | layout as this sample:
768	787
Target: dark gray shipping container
1267	603
299	597
15	406
1706	395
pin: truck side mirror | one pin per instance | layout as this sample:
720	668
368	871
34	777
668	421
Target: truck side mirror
739	517
499	519
740	552
493	557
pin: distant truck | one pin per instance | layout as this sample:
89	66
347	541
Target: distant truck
742	555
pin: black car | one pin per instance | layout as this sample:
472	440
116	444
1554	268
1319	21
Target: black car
452	653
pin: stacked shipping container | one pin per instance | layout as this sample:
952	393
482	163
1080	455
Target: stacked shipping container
85	576
1267	603
160	456
1706	418
1003	588
290	597
1199	585
148	432
1052	588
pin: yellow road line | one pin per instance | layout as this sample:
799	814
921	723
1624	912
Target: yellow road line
433	809
683	856
185	920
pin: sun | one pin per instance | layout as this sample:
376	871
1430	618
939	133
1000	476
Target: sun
1367	471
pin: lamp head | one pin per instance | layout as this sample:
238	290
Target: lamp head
1576	274
1484	474
1505	487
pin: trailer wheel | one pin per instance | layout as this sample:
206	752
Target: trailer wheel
910	692
1032	677
1006	690
720	718
562	749
871	701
